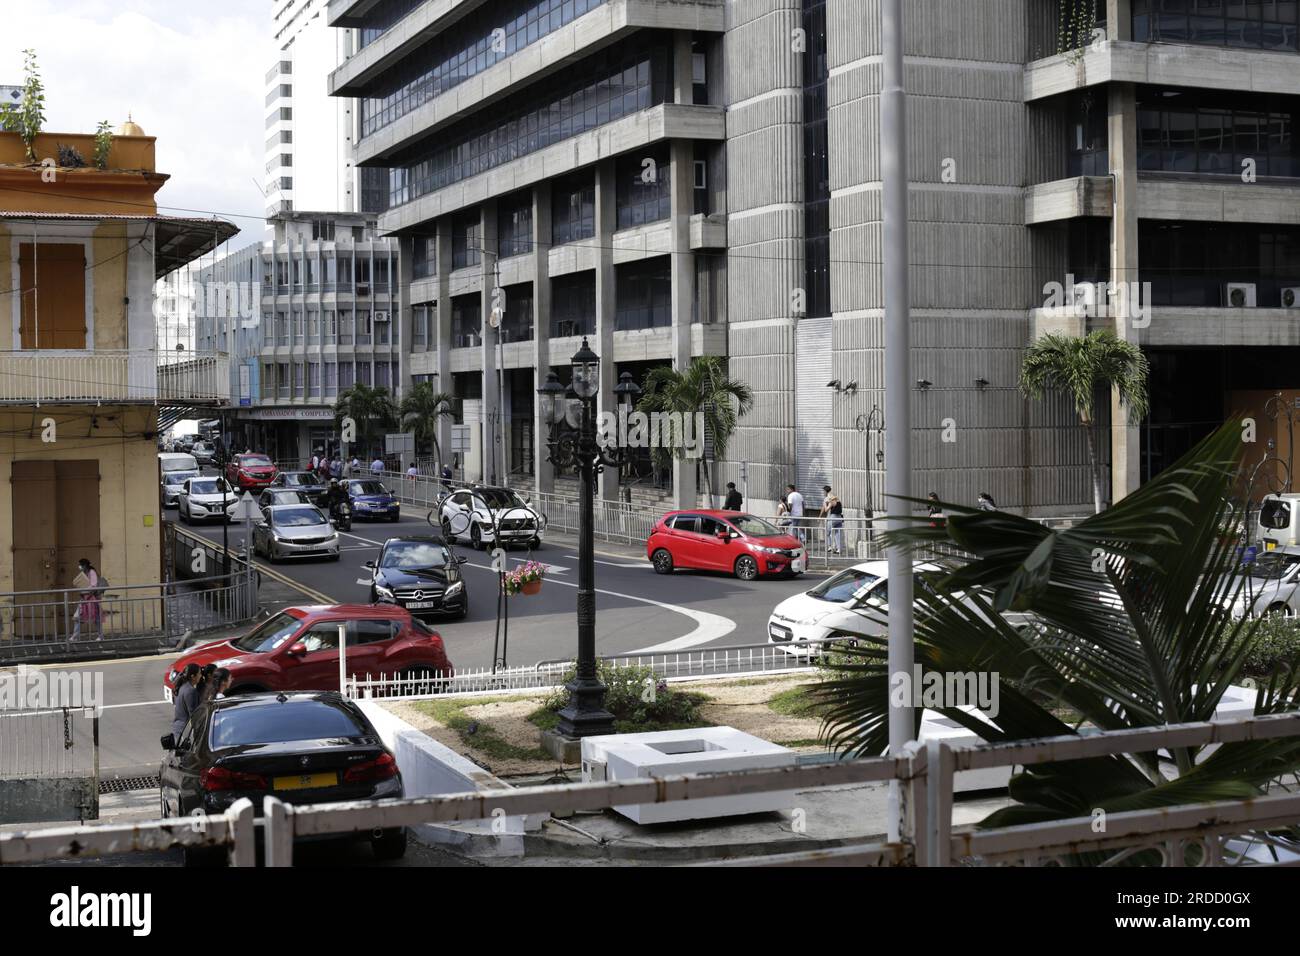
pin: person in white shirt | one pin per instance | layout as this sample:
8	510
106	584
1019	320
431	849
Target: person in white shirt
412	472
377	466
794	501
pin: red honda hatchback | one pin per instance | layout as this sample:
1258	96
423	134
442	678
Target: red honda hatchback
731	541
250	471
298	649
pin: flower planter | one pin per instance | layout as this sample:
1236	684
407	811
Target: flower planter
531	587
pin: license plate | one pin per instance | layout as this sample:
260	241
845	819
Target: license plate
797	565
417	605
1270	545
306	781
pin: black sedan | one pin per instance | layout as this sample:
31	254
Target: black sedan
314	747
307	482
421	574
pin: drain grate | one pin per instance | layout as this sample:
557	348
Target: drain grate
126	784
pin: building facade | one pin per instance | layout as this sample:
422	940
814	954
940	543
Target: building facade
85	385
675	178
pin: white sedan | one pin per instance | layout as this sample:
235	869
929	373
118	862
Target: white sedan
205	499
1271	584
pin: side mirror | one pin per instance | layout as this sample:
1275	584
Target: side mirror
297	650
724	535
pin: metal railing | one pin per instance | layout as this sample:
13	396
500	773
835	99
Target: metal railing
114	375
1228	832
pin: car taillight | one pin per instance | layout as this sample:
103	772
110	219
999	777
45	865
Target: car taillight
383	767
219	778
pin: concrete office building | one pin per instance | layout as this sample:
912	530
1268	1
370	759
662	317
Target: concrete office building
684	177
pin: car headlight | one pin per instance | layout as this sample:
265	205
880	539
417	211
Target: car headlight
454	589
767	550
805	622
383	592
173	675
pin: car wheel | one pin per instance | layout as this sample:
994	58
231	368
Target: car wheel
746	568
335	556
1281	610
390	846
662	561
535	544
475	538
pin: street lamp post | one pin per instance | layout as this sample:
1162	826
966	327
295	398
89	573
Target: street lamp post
585	714
864	424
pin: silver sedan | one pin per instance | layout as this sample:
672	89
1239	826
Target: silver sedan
295	531
1272	583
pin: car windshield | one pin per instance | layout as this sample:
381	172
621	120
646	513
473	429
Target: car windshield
1274	514
414	554
180	464
496	498
298	517
245	725
1272	566
213	487
306	478
178	477
268	635
257	461
755	527
367	488
845	586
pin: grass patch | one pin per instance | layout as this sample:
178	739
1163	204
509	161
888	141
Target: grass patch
546	719
476	733
798	702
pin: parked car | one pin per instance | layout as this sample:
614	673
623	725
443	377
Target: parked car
175	468
302	748
472	514
304	481
370	499
1278	520
297	649
250	472
283	496
1272	583
737	543
421	574
204	498
184	443
204	452
295	531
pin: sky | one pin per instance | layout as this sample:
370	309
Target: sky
190	72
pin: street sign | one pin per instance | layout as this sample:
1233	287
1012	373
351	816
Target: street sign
246	509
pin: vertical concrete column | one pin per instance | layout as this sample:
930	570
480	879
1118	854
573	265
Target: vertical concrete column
543	470
1125	443
442	330
1119	19
495	467
402	327
682	160
606	304
683	86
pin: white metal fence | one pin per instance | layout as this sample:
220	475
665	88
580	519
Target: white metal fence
1242	832
111	375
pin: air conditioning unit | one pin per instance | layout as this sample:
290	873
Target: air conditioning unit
381	316
363	288
1240	295
1083	297
1290	297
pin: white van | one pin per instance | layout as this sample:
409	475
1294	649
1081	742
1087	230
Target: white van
1279	520
174	468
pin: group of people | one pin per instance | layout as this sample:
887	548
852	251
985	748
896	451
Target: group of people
195	687
326	467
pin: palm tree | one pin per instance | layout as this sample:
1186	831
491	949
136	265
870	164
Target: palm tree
703	387
420	410
1080	366
1129	629
370	408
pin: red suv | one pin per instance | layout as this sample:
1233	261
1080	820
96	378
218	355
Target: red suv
731	541
298	649
250	471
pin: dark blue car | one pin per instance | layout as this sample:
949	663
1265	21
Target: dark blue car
370	499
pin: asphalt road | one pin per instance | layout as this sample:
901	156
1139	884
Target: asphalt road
636	610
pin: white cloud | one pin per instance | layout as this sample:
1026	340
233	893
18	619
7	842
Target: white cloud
191	74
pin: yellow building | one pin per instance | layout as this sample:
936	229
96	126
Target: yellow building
83	382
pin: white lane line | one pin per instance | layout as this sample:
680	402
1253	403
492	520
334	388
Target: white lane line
624	564
708	626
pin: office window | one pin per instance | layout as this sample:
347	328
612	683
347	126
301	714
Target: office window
1213	133
331	328
313	326
295	268
331	268
364	374
282	379
518	324
424	260
331	378
573	304
268	328
817	193
515	225
1247	24
1186	264
382	329
297	327
363	327
347	375
466	321
643	291
466	240
313	380
266	389
345	326
1087	127
282	328
573	210
344	273
419	327
383	378
643	191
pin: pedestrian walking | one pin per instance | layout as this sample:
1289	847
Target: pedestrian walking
336	468
935	510
377	466
446	476
412	472
794	503
88	605
987	503
186	699
734	501
354	467
833	512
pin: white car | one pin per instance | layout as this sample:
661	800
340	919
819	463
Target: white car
473	515
174	469
1272	584
201	499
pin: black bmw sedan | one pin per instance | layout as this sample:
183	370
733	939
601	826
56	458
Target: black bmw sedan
421	574
303	748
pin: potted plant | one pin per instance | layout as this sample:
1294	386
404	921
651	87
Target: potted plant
525	579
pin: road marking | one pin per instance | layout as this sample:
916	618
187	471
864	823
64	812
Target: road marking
708	627
298	586
624	564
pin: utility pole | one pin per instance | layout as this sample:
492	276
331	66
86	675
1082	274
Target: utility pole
898	397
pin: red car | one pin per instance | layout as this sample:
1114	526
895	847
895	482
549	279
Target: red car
297	649
731	541
250	471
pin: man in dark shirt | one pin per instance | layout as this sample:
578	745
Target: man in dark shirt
734	501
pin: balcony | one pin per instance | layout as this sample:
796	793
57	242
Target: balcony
114	375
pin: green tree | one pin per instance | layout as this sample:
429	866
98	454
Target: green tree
371	409
704	388
1081	366
28	117
1129	605
420	411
